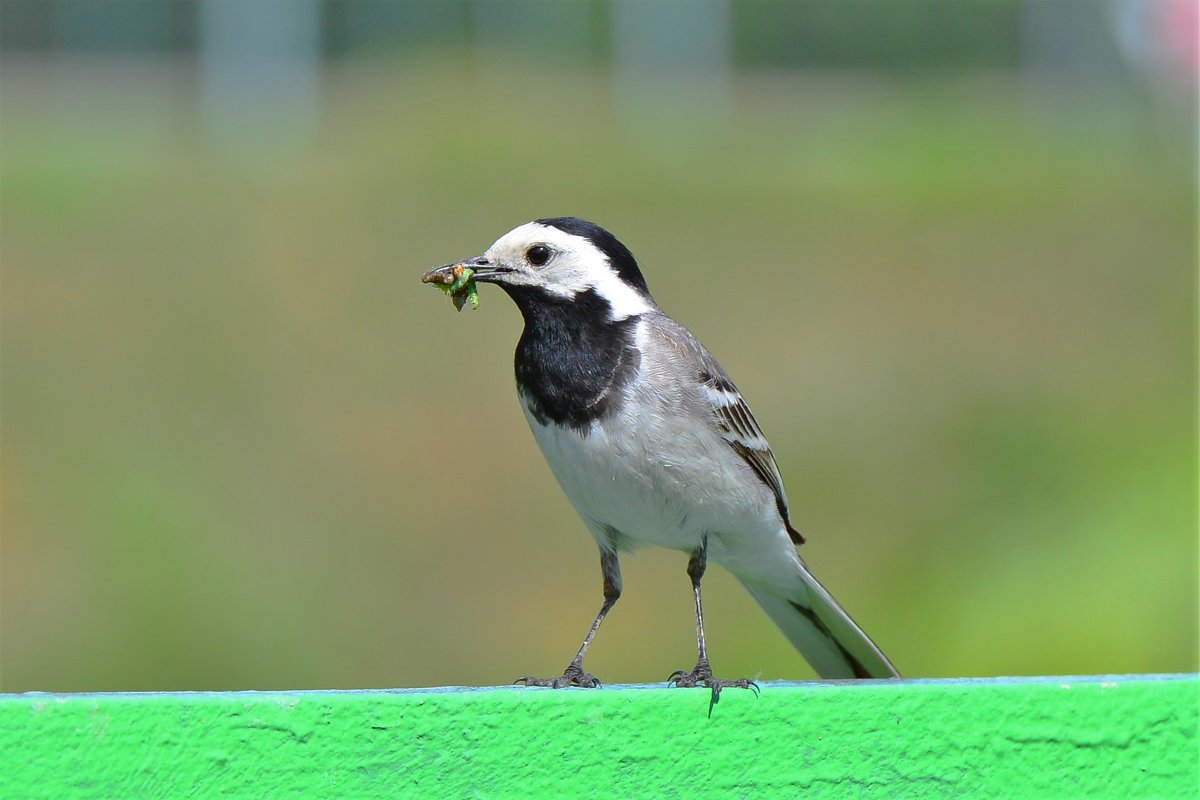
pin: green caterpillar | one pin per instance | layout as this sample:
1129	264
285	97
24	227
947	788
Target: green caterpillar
458	282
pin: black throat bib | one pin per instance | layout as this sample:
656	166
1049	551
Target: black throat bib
572	360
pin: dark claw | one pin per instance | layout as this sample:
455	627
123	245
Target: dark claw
574	676
702	676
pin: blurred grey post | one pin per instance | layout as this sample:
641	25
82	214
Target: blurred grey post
259	72
1066	44
672	62
96	73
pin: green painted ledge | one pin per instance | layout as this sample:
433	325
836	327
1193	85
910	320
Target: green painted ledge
1120	736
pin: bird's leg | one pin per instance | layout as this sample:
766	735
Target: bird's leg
701	674
574	674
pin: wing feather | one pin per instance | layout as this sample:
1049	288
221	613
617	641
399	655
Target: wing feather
741	431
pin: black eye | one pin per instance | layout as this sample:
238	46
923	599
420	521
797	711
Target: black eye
538	254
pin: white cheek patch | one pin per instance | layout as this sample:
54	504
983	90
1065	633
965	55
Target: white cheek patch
579	267
624	299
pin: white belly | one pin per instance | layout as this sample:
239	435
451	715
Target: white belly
658	485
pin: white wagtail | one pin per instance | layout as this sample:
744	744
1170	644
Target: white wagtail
653	444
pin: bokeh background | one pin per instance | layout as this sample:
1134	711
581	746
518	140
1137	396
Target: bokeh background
946	249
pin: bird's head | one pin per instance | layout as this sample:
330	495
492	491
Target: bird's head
558	259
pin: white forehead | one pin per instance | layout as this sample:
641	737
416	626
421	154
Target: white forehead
521	238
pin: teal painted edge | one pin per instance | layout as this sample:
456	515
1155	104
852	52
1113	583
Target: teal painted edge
1098	736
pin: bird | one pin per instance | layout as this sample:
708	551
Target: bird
654	445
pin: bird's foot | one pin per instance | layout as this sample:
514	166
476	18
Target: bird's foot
701	675
574	676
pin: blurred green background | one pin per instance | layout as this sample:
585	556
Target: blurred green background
946	249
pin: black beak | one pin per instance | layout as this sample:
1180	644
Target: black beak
485	271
